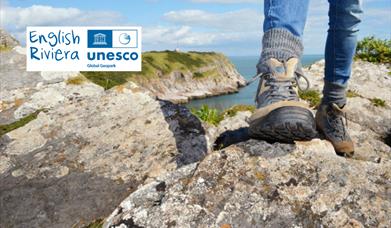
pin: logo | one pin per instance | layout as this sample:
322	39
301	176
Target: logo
83	48
100	38
124	38
112	38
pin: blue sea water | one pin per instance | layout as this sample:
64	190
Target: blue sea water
246	67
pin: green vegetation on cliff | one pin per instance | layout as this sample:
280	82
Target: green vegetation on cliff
77	80
159	63
312	96
378	102
4	48
4	129
215	116
375	50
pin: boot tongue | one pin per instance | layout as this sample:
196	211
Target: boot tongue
282	71
338	109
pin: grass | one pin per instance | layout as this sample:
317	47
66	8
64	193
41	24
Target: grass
209	115
95	224
215	116
191	60
378	102
352	93
77	80
312	96
4	129
4	48
198	75
232	111
159	63
107	79
374	101
205	74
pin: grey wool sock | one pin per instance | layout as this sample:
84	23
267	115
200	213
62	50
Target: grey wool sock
334	93
280	44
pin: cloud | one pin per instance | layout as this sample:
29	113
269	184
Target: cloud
187	29
15	19
209	29
239	20
163	37
234	32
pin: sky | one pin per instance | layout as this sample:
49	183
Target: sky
233	27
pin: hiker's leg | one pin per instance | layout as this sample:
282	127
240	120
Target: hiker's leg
280	115
340	49
283	28
344	17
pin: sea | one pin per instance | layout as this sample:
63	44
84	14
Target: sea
246	67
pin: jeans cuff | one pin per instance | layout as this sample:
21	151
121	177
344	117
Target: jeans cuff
280	44
334	92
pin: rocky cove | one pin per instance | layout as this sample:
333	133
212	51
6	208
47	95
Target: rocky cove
179	76
124	155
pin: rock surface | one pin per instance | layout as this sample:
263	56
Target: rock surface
6	40
77	161
256	184
22	92
369	125
253	183
26	92
151	163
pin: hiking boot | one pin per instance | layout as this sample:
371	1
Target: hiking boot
331	121
280	115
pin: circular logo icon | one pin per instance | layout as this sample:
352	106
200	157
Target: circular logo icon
124	38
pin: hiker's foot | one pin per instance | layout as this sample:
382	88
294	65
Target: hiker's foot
331	121
280	115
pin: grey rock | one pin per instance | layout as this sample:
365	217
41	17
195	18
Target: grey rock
368	125
256	184
7	40
77	161
252	183
151	163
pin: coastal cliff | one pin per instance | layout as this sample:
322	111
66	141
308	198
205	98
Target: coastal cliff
178	76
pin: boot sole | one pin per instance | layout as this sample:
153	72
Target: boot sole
346	154
285	124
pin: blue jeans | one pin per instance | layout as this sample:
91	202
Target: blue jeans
342	34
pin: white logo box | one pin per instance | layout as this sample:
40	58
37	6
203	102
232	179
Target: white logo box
65	48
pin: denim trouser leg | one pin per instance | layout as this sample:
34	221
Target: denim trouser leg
287	14
283	28
340	48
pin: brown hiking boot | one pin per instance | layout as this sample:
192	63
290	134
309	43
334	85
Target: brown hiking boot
280	115
331	121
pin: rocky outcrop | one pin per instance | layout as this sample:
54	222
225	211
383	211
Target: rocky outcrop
24	92
134	160
251	183
7	41
256	184
80	159
369	124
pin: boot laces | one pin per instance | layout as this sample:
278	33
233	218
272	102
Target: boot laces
337	120
280	89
